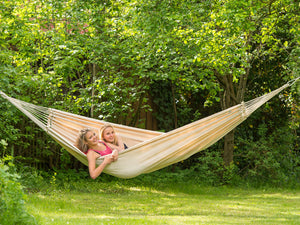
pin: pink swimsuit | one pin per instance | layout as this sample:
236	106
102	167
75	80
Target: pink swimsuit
102	153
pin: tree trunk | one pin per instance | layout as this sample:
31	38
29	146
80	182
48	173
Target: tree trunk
174	106
228	99
233	95
228	148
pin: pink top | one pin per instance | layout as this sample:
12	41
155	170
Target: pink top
102	153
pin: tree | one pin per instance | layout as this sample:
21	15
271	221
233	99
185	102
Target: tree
138	62
238	33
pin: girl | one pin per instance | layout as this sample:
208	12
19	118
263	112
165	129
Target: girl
89	144
109	136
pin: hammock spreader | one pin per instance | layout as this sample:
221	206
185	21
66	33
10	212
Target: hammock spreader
149	150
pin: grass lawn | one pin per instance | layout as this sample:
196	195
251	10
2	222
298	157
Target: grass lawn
128	203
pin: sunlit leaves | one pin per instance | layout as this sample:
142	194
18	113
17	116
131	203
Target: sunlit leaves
89	46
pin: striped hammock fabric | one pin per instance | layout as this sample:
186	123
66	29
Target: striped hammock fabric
148	150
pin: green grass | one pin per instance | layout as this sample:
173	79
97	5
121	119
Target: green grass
128	203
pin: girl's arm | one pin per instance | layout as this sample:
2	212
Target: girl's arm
112	146
96	171
119	147
120	143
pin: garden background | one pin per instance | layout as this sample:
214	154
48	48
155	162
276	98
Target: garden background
155	65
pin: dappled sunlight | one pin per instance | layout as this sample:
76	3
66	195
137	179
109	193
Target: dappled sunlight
135	189
154	191
64	218
140	205
278	196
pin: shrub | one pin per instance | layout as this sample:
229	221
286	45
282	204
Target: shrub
12	197
272	159
209	169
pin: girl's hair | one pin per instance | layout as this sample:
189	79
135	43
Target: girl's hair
81	139
107	125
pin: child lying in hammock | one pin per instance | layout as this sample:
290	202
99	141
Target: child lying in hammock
108	135
89	143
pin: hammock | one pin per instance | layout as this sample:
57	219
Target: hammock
149	150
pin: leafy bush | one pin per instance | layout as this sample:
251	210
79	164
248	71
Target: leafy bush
272	159
210	169
12	197
32	179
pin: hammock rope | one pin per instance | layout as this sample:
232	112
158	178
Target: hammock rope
149	150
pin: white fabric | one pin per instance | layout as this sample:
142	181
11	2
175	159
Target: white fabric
148	150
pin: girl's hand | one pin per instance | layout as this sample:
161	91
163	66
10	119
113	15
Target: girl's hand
115	155
108	159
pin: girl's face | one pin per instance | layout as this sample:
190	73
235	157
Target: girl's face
91	138
109	135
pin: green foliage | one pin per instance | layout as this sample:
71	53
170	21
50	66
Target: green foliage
31	179
119	60
12	197
209	169
272	159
